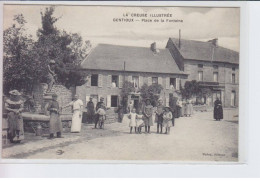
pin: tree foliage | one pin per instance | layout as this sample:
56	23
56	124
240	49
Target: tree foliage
26	60
191	88
152	92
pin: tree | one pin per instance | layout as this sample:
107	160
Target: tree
20	58
67	49
152	92
191	88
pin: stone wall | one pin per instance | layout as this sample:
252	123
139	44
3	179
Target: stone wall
64	95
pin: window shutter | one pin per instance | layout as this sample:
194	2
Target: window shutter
167	82
108	100
88	80
109	81
160	80
100	80
177	83
130	78
120	80
87	99
167	101
149	81
141	81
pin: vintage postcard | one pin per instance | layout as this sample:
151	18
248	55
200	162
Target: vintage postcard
129	83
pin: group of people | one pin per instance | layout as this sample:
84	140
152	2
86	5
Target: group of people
163	116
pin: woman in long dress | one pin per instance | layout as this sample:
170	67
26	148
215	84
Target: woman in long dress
218	110
77	106
55	122
148	113
14	107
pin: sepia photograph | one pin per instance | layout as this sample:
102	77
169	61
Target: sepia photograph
120	83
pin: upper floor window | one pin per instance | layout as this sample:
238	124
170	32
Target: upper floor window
215	76
114	80
233	79
233	68
200	65
94	80
200	78
172	83
135	81
154	80
215	66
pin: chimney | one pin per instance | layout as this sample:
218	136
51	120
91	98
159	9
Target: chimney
179	38
153	46
214	42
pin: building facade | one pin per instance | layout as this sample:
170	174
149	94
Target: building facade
214	67
110	65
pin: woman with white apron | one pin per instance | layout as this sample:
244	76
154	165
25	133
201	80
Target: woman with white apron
77	106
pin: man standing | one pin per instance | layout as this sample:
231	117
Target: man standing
90	111
99	104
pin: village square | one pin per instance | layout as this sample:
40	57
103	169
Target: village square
64	98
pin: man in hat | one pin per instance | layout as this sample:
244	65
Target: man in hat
51	77
99	105
55	122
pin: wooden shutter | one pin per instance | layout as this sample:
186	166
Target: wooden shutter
120	80
109	81
130	78
160	80
177	83
141	81
108	100
149	81
88	81
167	82
100	80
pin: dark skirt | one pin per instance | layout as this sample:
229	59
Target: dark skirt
15	125
55	123
218	112
159	119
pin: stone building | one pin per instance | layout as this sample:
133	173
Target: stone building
110	65
213	66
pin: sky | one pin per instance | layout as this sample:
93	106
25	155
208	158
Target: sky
95	23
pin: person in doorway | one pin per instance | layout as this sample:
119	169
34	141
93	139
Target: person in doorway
218	110
159	115
167	120
130	106
148	113
90	111
55	122
77	106
99	104
14	108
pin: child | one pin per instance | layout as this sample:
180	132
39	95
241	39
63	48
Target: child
132	116
167	120
101	112
159	115
139	122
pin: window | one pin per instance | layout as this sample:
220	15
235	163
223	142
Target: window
233	68
233	79
154	80
215	66
200	75
114	81
94	80
215	76
233	98
136	81
200	65
114	100
172	83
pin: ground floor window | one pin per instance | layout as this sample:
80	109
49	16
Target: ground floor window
114	101
233	98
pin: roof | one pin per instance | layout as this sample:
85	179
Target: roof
206	51
137	59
